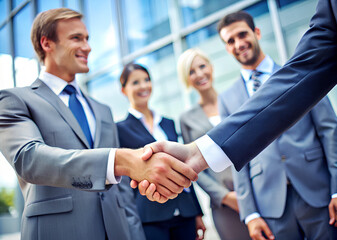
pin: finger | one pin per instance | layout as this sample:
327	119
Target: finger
179	181
159	198
184	169
142	187
133	184
164	191
267	232
332	214
150	191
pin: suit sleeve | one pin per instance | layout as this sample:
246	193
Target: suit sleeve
241	179
325	122
37	163
288	94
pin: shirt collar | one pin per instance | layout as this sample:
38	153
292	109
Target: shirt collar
140	116
57	84
266	67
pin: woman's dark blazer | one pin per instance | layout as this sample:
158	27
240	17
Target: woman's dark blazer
133	134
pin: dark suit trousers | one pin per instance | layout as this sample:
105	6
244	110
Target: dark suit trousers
301	220
177	228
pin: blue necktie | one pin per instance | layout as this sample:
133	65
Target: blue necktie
256	79
76	107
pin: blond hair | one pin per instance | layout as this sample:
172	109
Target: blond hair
45	24
185	61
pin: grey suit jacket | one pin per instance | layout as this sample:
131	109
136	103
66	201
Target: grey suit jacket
303	154
45	145
194	123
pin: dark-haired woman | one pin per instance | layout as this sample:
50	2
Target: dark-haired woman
179	218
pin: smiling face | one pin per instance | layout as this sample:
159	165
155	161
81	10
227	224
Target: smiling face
138	89
242	42
201	74
69	54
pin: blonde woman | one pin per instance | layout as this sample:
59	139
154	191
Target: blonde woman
196	71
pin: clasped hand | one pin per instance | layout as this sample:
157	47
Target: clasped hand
166	183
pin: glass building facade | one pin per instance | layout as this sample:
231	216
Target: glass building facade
150	32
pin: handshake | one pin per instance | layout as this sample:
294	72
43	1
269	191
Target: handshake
161	170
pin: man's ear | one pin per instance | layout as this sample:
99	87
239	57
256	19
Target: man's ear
123	91
46	44
257	33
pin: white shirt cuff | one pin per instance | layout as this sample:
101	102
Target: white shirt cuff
334	195
216	159
110	175
252	216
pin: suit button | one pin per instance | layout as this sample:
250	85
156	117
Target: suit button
283	158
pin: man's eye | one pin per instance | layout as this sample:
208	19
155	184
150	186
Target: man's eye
230	41
242	34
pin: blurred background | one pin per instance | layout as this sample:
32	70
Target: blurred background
153	33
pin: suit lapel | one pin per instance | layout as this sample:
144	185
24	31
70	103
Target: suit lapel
201	119
237	95
47	94
139	128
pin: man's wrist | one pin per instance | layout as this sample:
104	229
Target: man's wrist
251	217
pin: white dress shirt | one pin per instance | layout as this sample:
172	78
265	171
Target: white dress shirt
57	85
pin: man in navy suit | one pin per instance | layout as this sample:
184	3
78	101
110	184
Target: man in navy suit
283	100
273	193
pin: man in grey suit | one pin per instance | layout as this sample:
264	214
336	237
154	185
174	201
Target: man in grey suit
275	197
60	143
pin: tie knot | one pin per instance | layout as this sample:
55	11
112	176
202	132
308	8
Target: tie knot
255	75
69	89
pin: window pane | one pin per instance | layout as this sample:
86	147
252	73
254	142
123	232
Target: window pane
26	71
3	10
106	89
201	35
6	71
44	5
102	26
194	10
17	3
145	21
294	23
73	4
4	40
22	43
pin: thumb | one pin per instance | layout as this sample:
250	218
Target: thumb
152	148
147	152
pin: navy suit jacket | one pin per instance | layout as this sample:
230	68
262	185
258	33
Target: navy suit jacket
133	134
261	185
288	94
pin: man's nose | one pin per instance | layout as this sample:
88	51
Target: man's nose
239	43
86	46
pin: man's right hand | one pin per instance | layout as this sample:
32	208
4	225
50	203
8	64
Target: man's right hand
169	175
258	228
